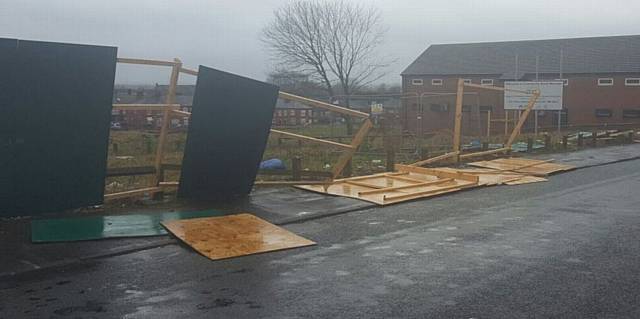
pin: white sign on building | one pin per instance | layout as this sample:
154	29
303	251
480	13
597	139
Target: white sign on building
550	95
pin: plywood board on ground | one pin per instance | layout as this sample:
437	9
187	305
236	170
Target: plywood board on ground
390	188
523	165
234	236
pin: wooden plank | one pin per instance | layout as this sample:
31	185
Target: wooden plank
427	192
311	139
132	193
146	62
355	143
178	113
369	176
322	105
166	121
357	183
483	153
189	71
436	159
436	172
130	171
457	125
233	236
522	119
282	183
144	107
404	179
422	184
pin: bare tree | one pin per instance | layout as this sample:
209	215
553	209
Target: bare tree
335	41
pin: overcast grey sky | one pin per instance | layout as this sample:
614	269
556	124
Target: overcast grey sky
224	33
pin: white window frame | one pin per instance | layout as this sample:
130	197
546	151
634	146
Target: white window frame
466	81
565	82
626	82
417	82
600	82
437	82
483	82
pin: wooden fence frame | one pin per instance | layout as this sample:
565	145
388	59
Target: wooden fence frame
170	109
455	152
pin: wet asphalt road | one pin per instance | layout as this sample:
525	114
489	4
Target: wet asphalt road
567	248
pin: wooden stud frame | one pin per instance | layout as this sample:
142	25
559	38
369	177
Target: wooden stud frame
455	153
170	109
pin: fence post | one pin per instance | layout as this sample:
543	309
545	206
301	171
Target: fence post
547	141
594	138
296	168
391	159
630	137
485	146
529	144
115	148
565	140
580	140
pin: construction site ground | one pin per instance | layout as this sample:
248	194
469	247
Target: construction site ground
563	248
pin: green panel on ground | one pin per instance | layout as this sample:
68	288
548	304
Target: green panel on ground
100	227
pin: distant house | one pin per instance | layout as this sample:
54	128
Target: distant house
141	94
292	113
601	78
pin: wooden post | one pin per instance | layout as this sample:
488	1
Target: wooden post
458	118
485	146
594	138
529	145
580	140
166	119
522	119
547	141
488	123
565	142
630	137
115	148
391	159
296	168
506	122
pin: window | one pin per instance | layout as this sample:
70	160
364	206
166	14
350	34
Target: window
486	82
631	113
632	82
605	81
292	112
303	112
604	113
486	108
565	82
416	82
439	107
436	82
466	81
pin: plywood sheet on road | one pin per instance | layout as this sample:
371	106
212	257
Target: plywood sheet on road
410	182
234	236
523	166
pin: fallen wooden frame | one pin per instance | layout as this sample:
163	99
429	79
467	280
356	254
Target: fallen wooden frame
408	183
170	109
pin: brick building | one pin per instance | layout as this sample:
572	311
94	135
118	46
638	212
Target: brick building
601	76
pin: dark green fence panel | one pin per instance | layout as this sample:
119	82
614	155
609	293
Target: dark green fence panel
62	95
228	133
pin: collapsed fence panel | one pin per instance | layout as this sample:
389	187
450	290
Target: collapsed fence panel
408	183
227	135
60	106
